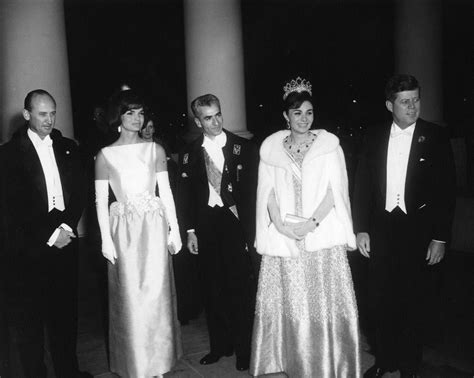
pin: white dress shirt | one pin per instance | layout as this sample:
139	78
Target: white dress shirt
44	149
397	162
214	149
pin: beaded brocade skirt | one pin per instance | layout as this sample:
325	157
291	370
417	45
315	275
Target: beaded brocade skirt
306	321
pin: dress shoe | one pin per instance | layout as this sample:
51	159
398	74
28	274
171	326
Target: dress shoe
242	363
408	374
212	358
375	372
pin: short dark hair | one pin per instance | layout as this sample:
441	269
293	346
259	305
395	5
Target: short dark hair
122	102
295	99
400	83
28	103
204	100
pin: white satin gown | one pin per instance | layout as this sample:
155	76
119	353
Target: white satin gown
144	332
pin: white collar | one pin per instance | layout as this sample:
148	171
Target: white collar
37	141
396	131
218	141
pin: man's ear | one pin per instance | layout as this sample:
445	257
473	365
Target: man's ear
198	122
26	114
389	106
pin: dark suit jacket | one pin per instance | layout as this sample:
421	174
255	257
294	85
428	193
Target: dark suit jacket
429	186
241	160
30	225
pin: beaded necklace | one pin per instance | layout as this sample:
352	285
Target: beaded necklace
299	147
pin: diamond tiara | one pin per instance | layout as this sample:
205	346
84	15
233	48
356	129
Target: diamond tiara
298	85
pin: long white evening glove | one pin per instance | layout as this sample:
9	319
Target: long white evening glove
102	206
174	240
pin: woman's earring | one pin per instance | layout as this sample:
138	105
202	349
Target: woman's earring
288	125
119	129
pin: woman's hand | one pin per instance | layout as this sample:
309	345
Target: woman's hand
289	230
304	228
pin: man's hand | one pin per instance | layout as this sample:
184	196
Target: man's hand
363	243
435	252
64	238
192	243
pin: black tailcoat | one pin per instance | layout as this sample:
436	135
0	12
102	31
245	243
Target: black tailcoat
399	242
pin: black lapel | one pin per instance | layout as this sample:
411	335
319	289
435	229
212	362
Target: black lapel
197	158
382	153
33	168
228	151
62	156
415	154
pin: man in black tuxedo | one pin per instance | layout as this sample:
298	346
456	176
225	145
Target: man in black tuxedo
403	207
4	339
44	200
216	197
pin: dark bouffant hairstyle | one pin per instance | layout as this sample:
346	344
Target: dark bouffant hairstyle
399	83
295	99
122	102
204	100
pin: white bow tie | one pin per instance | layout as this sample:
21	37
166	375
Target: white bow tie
397	133
218	142
46	142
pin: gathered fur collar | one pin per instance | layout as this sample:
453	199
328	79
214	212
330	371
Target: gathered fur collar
273	153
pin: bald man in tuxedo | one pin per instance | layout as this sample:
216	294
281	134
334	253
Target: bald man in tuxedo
44	199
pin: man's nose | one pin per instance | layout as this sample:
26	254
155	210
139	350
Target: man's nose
49	118
411	104
215	122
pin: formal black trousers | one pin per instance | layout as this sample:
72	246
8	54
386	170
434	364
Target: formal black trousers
4	339
228	282
42	295
398	288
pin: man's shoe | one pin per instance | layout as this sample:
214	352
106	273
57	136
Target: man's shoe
212	358
375	372
242	363
408	374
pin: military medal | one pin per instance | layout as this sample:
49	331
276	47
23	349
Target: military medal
229	187
236	149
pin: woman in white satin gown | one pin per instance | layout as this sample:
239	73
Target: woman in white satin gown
139	232
306	322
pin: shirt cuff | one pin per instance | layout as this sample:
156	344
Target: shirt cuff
191	230
439	241
55	234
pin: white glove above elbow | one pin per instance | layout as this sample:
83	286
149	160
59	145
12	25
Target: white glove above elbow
102	206
174	238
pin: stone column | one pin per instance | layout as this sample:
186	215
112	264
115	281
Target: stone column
214	57
33	55
418	51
